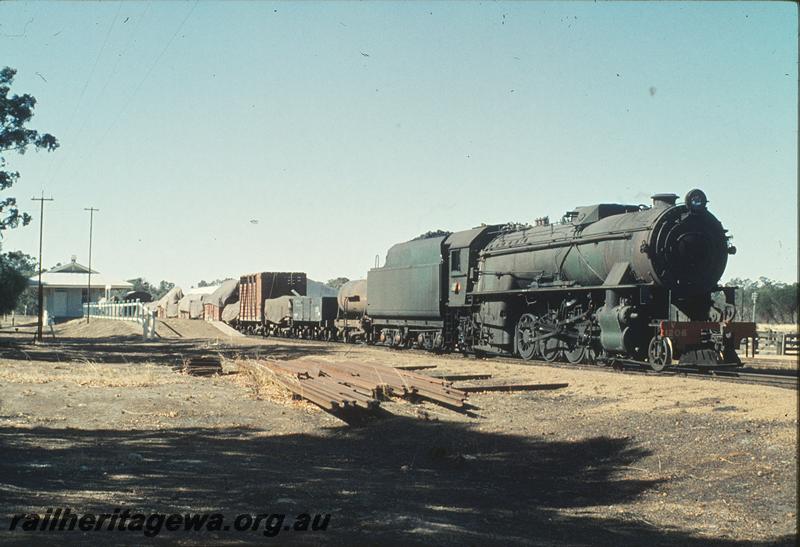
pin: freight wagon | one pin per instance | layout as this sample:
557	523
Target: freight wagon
310	317
214	303
255	288
340	317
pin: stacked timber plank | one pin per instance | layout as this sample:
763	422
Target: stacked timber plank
339	386
202	365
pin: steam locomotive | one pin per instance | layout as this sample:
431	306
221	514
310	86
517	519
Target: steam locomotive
606	282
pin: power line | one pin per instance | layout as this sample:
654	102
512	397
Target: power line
124	50
86	84
147	74
132	96
108	79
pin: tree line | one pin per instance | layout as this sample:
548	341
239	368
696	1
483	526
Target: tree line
16	136
776	301
156	291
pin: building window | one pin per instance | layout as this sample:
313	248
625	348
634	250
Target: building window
84	296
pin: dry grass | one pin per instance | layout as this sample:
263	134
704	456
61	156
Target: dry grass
120	376
262	381
88	374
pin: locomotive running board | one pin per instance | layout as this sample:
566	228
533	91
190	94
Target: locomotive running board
559	288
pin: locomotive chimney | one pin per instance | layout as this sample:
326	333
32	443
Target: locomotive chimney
661	201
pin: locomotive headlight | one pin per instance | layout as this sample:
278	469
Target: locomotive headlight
696	201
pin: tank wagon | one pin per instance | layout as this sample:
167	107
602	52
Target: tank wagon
352	322
609	281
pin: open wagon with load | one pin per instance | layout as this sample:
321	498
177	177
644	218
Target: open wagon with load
255	288
340	317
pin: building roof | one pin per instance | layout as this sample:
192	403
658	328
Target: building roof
71	267
58	280
74	275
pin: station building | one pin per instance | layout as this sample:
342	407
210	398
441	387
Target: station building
66	289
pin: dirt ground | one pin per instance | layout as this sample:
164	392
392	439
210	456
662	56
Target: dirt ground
98	419
80	328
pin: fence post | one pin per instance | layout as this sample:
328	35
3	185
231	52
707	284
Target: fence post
148	325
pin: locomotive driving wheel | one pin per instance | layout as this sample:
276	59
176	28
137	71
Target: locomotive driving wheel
576	349
659	353
525	336
552	349
551	346
575	354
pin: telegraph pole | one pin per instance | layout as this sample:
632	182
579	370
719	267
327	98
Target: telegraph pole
89	286
39	321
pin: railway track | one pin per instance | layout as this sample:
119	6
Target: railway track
787	379
745	375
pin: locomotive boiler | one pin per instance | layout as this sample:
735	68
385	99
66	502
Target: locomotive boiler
608	281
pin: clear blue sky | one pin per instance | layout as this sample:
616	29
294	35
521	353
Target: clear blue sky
343	128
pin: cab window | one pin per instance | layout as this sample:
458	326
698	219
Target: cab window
455	260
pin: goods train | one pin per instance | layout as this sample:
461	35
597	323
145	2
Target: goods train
607	282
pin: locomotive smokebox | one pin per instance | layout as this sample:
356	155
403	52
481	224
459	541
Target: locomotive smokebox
690	247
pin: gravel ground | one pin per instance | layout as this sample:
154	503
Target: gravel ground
98	423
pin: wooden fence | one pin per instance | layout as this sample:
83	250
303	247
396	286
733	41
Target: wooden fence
124	311
772	343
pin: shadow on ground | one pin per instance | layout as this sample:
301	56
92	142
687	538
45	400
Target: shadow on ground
396	482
